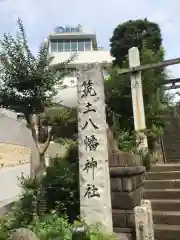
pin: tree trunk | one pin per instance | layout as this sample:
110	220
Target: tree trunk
37	164
111	142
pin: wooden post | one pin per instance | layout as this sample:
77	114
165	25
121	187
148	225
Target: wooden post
95	194
137	96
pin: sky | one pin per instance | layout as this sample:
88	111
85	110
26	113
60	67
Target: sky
40	17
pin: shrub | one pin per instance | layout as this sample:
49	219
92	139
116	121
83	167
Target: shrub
24	209
57	190
54	227
51	226
61	187
45	202
5	226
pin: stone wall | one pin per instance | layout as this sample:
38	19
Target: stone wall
13	154
126	172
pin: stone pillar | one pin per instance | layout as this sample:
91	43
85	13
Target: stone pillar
127	174
141	221
95	195
147	205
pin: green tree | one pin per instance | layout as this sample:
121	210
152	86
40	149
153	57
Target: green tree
28	85
63	120
134	33
119	99
147	37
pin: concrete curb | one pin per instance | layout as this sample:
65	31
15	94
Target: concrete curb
14	164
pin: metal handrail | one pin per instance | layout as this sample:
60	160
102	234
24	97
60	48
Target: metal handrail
163	149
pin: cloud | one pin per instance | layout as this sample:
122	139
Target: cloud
41	17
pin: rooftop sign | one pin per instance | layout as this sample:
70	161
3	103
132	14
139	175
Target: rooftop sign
68	29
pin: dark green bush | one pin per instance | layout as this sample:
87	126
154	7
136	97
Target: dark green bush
57	190
61	185
49	205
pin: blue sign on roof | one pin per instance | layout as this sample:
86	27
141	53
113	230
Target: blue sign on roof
68	29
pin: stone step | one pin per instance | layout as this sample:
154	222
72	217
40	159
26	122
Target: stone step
165	167
161	232
161	184
175	146
166	217
172	135
165	205
173	154
172	141
123	233
173	149
173	157
161	193
163	175
167	232
173	160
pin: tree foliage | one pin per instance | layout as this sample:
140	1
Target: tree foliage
28	82
133	33
118	88
63	121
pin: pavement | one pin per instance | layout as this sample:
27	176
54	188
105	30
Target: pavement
9	183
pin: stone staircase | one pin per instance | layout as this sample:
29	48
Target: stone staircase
171	139
162	187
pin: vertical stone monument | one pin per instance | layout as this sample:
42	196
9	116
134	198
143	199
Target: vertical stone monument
95	195
147	205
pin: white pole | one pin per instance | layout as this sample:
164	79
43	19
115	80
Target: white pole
137	96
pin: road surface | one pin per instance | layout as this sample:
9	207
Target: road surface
9	183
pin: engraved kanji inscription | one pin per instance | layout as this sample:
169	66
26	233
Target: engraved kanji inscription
92	123
90	164
89	108
91	143
88	89
91	191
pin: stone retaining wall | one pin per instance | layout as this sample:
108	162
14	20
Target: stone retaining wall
127	173
13	154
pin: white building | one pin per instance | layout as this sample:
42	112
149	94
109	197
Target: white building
63	42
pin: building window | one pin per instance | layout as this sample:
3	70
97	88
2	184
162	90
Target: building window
87	45
81	45
53	45
60	46
67	46
71	45
74	45
70	72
